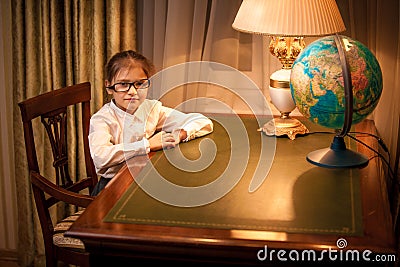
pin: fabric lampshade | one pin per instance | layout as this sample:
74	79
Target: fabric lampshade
289	17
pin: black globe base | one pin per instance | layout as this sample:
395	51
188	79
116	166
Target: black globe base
337	156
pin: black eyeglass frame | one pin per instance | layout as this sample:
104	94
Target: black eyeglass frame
134	84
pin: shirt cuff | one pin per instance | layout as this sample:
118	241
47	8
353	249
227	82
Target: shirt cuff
190	134
137	148
146	145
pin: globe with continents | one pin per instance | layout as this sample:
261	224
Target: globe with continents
317	83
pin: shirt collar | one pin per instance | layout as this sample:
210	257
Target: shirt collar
138	115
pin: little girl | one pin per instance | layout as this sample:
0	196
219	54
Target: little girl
132	125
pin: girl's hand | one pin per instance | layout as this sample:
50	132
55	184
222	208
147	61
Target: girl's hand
162	140
179	135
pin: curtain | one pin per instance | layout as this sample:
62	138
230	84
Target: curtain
176	31
8	216
55	44
376	24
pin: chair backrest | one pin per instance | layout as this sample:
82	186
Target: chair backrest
53	108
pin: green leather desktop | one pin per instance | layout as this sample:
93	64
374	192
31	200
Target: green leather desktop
295	197
298	206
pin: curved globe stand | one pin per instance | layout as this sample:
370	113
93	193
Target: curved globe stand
337	155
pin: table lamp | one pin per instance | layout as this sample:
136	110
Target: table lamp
287	22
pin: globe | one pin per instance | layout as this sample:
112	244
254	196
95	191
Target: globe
317	83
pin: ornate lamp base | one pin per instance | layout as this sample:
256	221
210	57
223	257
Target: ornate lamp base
284	126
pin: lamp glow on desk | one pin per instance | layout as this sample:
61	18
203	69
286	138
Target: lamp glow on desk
287	22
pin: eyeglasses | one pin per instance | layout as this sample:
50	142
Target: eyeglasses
126	86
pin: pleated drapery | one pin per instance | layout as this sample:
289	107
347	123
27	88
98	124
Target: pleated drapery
55	44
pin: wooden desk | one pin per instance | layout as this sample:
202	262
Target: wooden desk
128	243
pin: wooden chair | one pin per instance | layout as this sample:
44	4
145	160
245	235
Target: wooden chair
52	108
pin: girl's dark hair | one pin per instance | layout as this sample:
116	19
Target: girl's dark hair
125	59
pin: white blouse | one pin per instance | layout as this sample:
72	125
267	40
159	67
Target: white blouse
115	135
